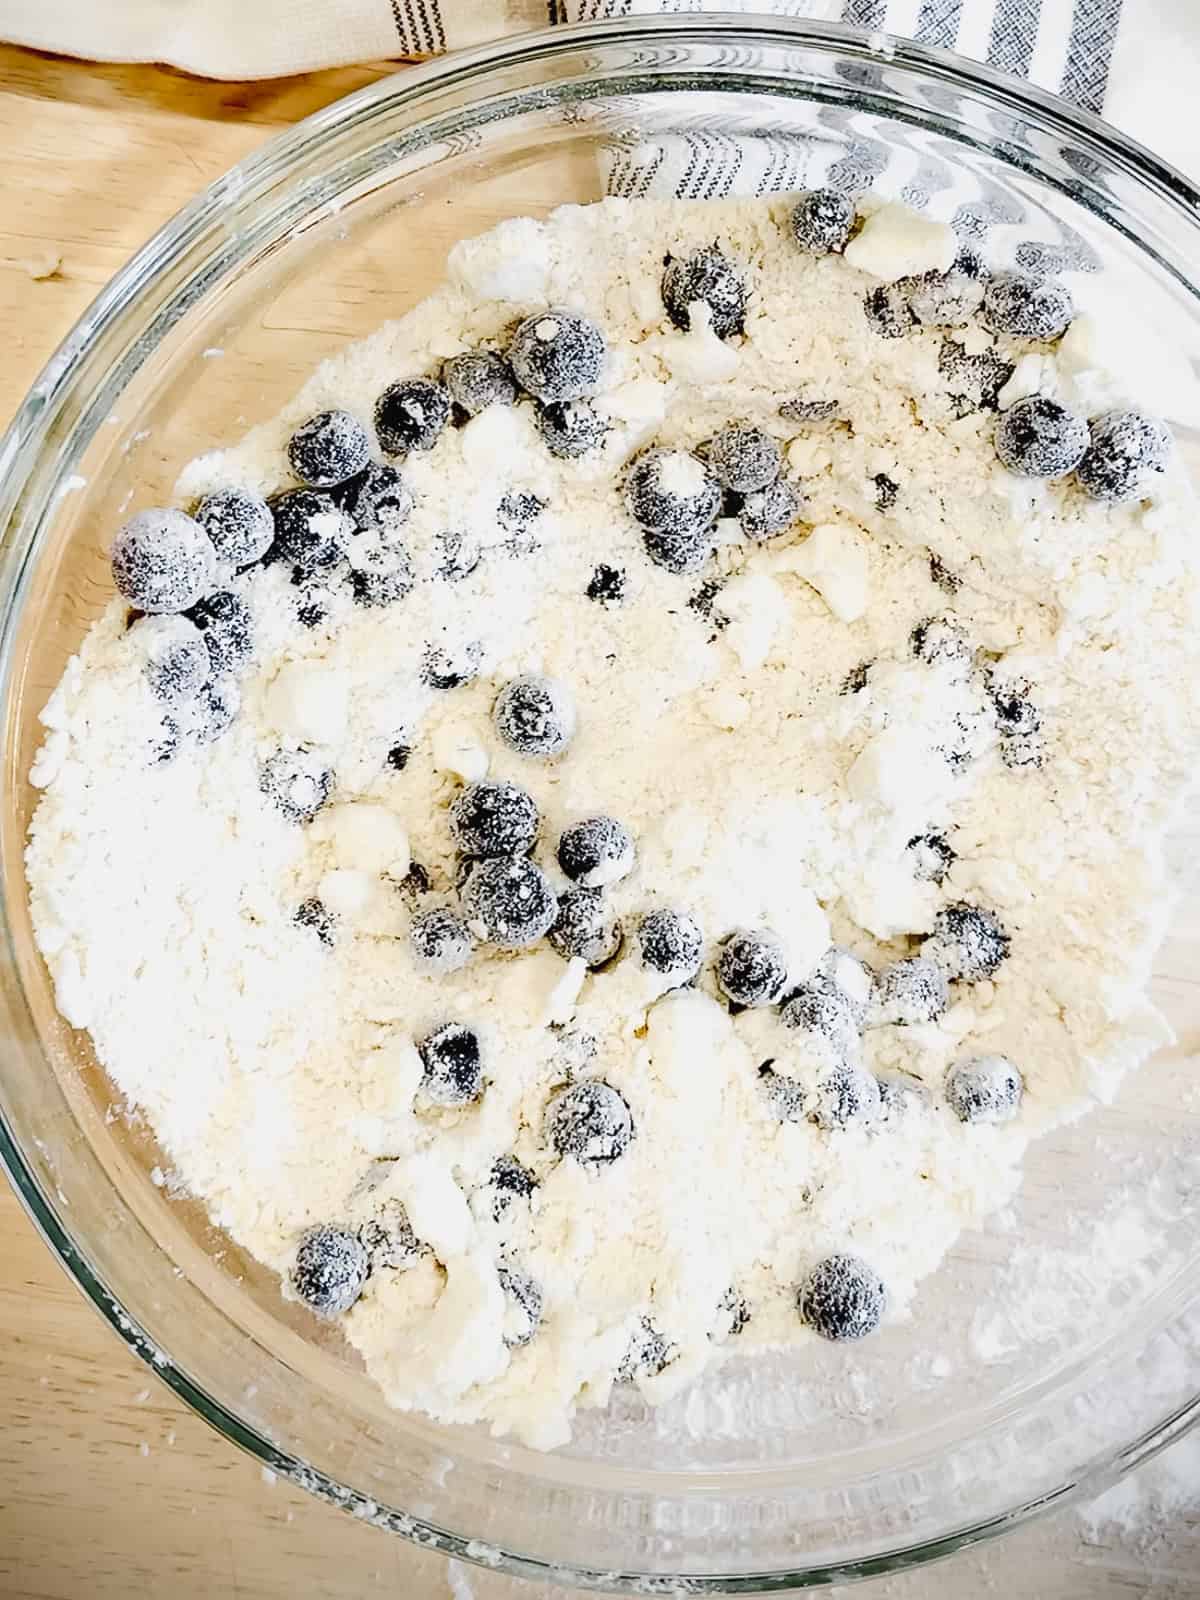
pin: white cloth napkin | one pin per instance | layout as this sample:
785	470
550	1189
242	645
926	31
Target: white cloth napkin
1135	61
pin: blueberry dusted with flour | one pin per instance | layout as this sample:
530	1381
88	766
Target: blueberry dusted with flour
379	500
509	902
163	561
453	1065
848	975
675	500
1038	438
328	449
177	664
705	278
909	992
523	1306
410	415
842	1298
225	623
441	940
315	915
494	819
1125	450
742	458
888	311
984	1089
590	1122
213	710
330	1269
596	852
389	1239
825	1011
945	299
846	1095
939	642
478	379
311	531
571	428
585	927
239	524
297	782
770	511
558	355
930	856
449	666
1027	308
752	968
509	1181
968	943
822	221
535	716
606	586
671	944
647	1354
380	572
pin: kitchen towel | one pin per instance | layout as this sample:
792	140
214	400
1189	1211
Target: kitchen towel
1135	61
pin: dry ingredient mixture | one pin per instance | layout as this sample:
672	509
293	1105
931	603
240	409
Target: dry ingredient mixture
599	835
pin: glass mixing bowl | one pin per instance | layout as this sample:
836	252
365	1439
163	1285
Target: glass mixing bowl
1054	1349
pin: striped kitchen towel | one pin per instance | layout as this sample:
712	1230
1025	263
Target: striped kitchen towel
1136	61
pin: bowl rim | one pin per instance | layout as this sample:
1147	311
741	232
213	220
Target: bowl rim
20	445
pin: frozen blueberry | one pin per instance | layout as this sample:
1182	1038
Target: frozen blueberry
379	500
1125	448
984	1089
937	641
449	667
944	299
517	511
708	278
389	1240
459	552
328	449
886	490
297	782
441	940
314	914
967	944
842	1298
225	622
453	1065
822	221
1038	438
671	944
596	852
163	561
888	310
311	531
785	1097
849	975
974	379
410	415
931	857
379	574
558	355
846	1094
571	428
752	968
742	458
177	664
909	992
585	927
312	607
535	716
493	819
523	1308
239	524
1027	308
648	1353
675	500
899	1095
213	710
509	902
330	1269
769	511
591	1122
509	1181
478	379
824	1010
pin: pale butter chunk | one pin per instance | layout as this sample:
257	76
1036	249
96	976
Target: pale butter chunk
456	750
698	356
895	242
308	702
834	560
512	262
365	835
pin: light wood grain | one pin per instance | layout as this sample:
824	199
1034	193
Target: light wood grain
108	1487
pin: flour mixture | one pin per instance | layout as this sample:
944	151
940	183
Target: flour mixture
598	837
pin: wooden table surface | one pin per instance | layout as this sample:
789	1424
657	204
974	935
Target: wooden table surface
108	1486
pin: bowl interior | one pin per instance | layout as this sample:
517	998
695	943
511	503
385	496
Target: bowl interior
1053	1346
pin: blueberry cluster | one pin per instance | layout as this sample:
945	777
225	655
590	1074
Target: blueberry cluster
1113	457
748	464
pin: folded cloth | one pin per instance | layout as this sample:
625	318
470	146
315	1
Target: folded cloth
1136	61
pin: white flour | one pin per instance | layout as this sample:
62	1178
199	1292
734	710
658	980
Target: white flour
278	1073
